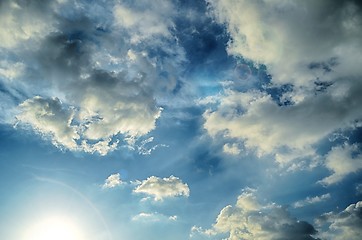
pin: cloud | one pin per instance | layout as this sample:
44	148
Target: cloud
273	33
311	200
109	73
153	217
249	219
161	188
319	68
359	189
346	224
269	128
231	149
112	181
19	27
342	160
144	19
51	119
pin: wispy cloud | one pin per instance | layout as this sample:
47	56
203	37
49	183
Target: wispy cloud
311	200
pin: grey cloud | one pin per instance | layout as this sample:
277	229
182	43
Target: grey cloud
346	224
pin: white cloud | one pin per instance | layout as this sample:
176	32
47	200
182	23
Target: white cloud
273	33
153	217
51	119
343	225
249	219
112	181
104	75
311	200
342	161
11	70
288	36
161	188
231	149
286	131
145	19
19	27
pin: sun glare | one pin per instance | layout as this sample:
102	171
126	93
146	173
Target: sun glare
54	228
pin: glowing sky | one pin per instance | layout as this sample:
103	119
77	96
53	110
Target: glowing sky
184	119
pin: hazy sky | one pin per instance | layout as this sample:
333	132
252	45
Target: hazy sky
184	119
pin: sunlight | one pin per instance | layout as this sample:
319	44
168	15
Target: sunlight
54	228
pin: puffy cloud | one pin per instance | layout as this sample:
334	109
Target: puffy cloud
346	224
270	128
232	149
311	200
342	160
249	219
110	84
112	181
274	33
320	68
51	119
161	188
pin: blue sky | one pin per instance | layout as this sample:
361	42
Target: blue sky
215	119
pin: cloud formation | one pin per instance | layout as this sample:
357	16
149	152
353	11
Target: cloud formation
108	72
51	119
319	69
273	33
249	219
341	161
161	188
153	217
346	224
311	200
112	181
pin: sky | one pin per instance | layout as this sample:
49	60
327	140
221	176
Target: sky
184	119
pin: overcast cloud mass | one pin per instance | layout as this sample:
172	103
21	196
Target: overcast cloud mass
205	119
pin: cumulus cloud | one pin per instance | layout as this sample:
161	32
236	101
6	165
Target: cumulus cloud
103	69
249	219
51	119
112	181
320	68
346	224
342	160
267	127
273	33
161	188
311	200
